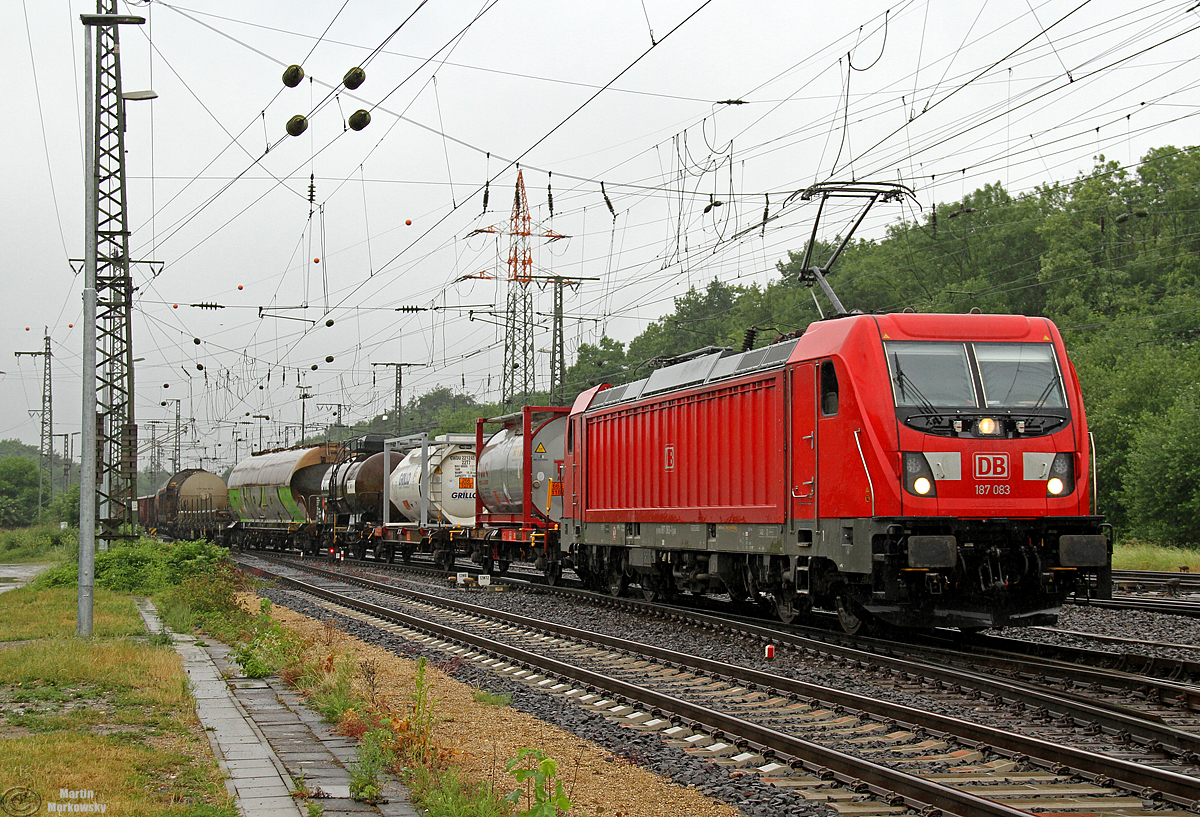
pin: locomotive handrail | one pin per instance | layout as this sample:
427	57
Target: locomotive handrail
1095	473
863	459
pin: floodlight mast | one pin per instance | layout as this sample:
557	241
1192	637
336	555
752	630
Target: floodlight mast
871	192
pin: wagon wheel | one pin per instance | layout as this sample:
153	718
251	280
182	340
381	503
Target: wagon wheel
385	553
406	555
501	566
785	607
652	588
444	558
553	573
487	565
854	620
618	582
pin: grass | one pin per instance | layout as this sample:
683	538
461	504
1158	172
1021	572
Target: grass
1133	554
27	613
498	699
41	543
447	793
127	777
110	715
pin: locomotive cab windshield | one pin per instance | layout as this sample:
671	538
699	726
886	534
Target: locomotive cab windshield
977	389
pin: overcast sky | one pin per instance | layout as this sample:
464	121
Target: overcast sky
941	96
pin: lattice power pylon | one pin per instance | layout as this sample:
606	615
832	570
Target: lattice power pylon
46	446
517	381
108	249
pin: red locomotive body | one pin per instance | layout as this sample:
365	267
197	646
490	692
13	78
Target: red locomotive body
919	469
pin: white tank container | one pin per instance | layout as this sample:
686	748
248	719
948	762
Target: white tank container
451	497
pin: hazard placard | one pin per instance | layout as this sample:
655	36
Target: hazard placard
541	449
556	488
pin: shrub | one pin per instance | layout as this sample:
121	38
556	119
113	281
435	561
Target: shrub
146	566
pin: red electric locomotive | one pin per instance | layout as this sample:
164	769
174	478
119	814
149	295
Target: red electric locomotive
919	469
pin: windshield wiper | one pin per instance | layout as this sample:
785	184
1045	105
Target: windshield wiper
1045	393
924	402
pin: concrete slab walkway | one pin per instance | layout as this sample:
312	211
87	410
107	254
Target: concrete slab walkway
267	742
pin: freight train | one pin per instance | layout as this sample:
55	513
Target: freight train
916	469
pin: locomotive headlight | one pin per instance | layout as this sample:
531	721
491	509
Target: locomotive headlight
988	427
1062	475
918	476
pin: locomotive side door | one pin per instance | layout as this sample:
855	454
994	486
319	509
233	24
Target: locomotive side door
802	441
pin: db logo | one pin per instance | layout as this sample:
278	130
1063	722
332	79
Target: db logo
991	466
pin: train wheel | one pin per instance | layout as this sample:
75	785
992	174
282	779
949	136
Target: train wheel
785	607
553	573
651	588
406	556
852	618
487	565
618	583
501	567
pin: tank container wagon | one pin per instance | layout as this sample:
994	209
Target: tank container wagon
916	469
431	497
519	497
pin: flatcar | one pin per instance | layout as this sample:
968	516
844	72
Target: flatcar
192	504
916	469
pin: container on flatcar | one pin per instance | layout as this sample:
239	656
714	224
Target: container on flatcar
507	463
451	491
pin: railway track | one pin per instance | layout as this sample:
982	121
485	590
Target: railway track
827	744
1170	593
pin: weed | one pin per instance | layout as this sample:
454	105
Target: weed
374	759
333	695
146	566
271	648
419	741
314	809
42	543
482	696
450	794
539	784
369	668
1132	554
300	786
163	639
329	632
